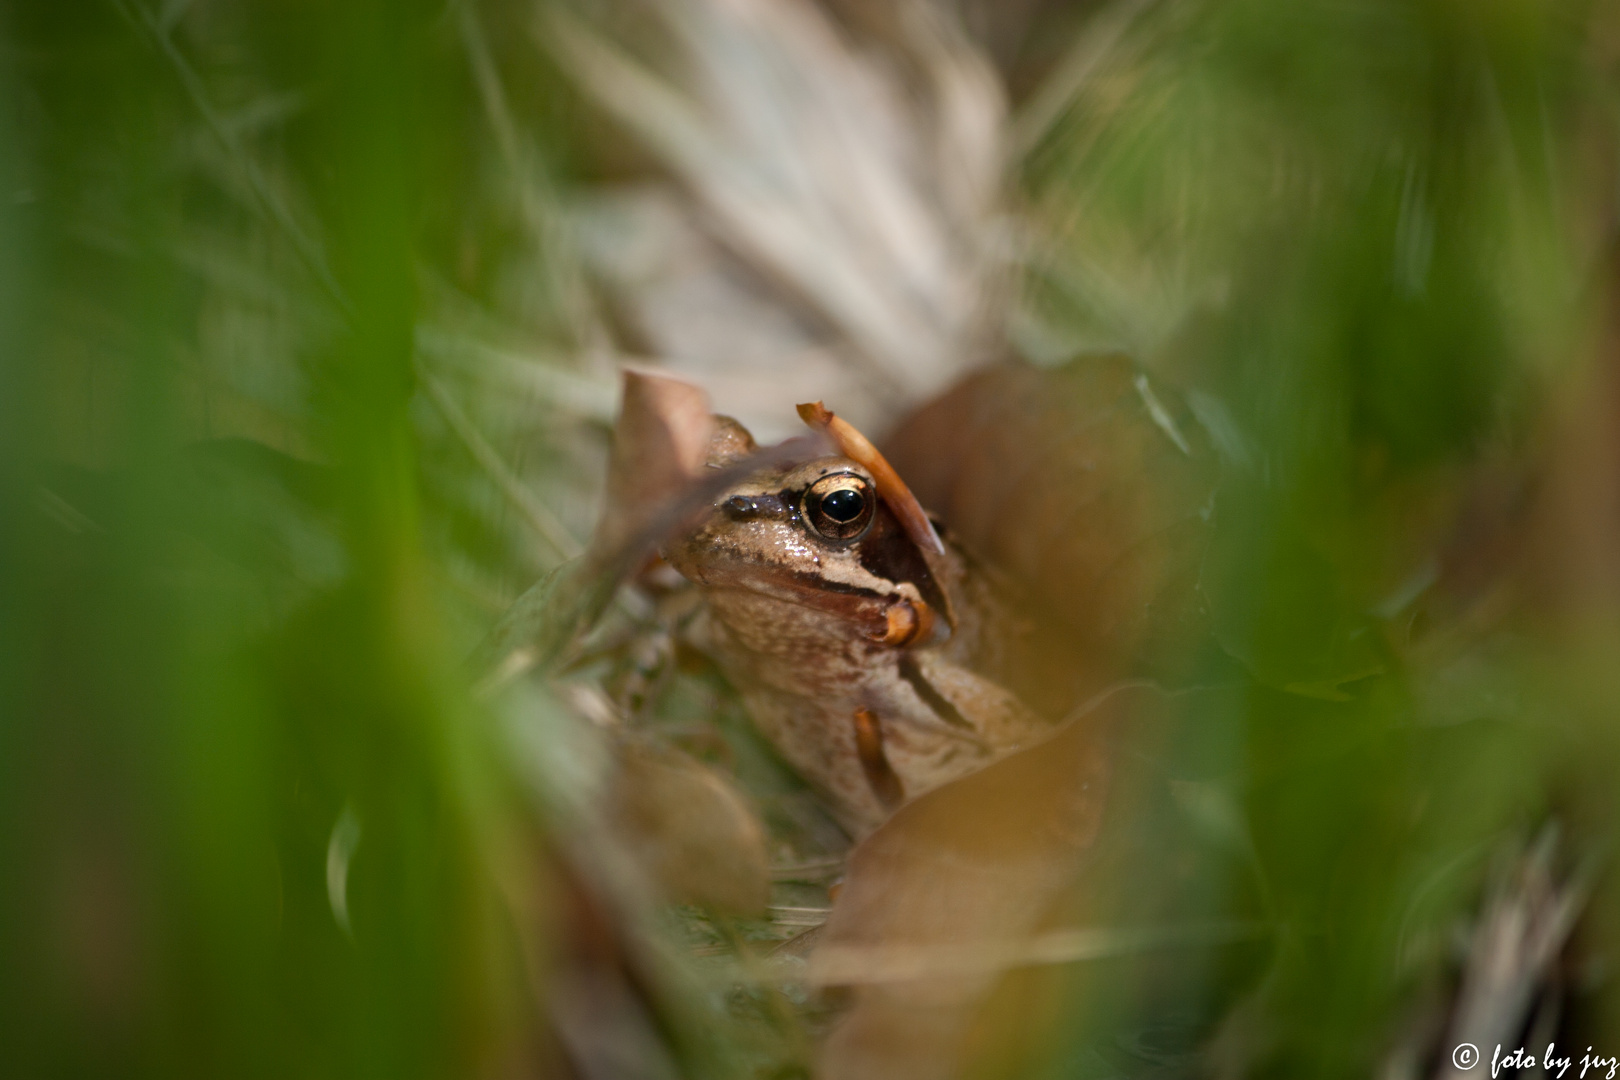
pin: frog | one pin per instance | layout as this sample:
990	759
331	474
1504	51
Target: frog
853	626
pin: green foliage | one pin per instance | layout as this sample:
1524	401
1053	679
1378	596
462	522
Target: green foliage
1362	224
217	651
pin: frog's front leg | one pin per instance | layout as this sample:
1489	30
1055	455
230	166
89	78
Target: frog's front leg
880	775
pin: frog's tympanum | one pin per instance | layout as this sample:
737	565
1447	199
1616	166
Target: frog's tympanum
852	628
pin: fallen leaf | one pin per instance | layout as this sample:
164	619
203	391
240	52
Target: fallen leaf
689	828
659	444
960	875
1088	489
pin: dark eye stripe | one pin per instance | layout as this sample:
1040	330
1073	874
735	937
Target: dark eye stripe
745	507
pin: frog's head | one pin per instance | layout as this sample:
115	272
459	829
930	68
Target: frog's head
822	534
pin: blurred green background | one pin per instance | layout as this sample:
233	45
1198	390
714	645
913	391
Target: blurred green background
310	320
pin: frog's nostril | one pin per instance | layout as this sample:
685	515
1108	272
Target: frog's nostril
740	506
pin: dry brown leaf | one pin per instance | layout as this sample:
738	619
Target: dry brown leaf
690	830
966	869
658	447
1081	485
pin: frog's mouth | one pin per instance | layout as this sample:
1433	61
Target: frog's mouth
900	617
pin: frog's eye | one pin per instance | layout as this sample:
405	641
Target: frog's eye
840	507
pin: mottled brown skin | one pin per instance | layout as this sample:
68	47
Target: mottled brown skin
803	624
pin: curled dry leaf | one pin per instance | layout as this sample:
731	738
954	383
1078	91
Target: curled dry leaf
659	445
1082	484
966	870
692	832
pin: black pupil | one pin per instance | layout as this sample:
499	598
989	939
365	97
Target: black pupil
843	505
